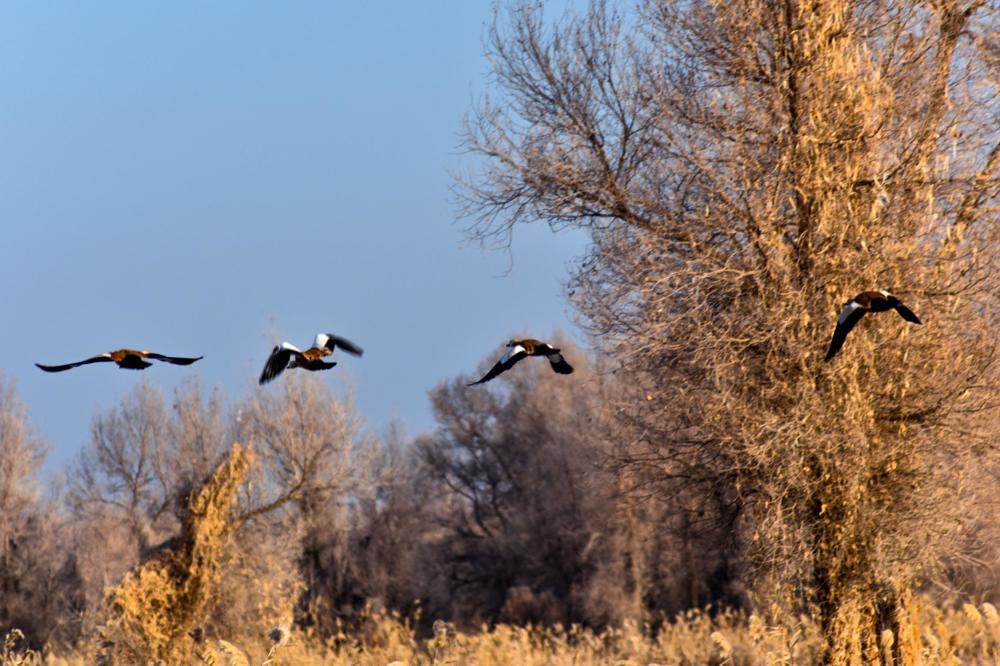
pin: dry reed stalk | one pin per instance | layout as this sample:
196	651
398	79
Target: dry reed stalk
151	612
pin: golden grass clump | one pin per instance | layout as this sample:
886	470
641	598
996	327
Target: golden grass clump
15	651
155	607
943	636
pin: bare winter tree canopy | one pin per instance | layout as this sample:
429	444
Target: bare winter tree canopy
143	455
21	454
744	169
307	438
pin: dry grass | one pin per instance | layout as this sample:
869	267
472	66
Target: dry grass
158	604
970	635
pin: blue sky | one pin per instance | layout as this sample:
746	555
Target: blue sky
206	178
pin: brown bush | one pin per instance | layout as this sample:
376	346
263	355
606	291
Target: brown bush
152	611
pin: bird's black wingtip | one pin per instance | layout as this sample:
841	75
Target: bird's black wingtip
559	364
907	314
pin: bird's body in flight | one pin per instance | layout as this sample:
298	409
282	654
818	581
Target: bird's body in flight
286	356
523	348
129	359
855	309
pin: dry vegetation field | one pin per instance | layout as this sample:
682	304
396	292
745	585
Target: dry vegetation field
154	616
953	637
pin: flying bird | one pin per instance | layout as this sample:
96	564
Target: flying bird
855	309
522	349
130	359
287	355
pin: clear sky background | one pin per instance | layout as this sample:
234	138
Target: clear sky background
206	178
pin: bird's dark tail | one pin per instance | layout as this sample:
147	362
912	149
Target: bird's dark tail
318	364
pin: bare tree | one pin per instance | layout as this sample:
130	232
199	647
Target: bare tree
198	436
743	169
306	438
38	585
310	446
119	474
21	455
523	502
376	550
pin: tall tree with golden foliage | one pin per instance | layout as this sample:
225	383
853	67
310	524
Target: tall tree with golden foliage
743	169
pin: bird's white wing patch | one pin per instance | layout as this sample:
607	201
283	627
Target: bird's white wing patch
321	340
516	349
846	312
884	293
289	346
